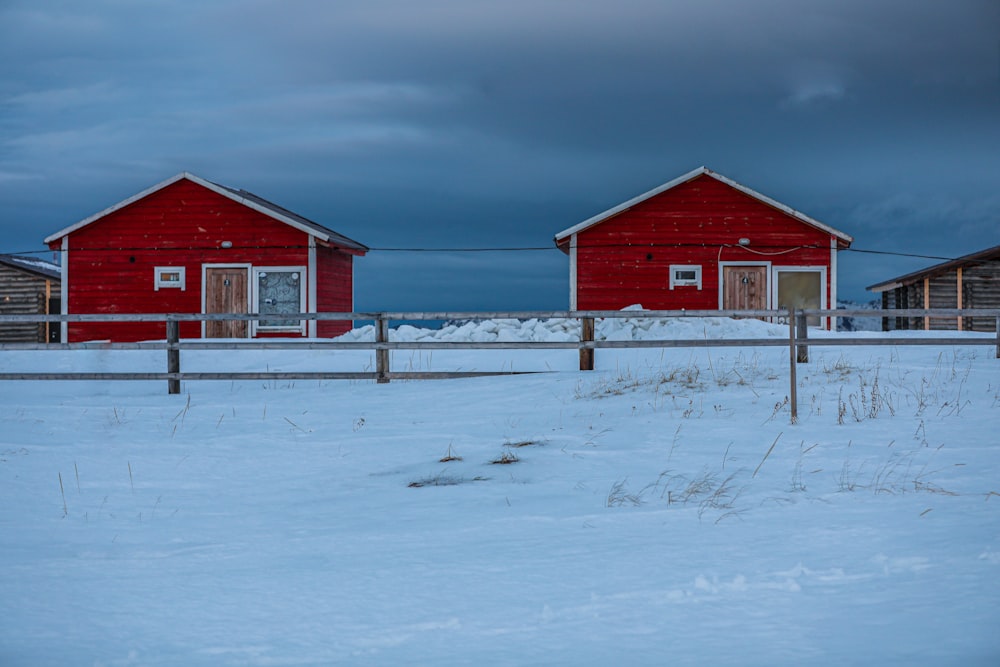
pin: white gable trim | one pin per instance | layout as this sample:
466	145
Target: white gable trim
600	217
202	182
694	173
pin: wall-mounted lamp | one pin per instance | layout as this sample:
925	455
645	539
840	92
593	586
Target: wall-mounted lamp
744	241
226	244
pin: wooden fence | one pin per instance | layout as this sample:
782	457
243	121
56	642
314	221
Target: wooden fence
798	341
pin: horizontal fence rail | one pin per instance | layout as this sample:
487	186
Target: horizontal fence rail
798	341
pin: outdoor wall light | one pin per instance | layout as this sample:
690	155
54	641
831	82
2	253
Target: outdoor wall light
744	241
226	244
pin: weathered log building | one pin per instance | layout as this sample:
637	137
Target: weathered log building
971	281
28	286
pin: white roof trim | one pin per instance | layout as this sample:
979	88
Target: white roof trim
885	287
202	182
694	173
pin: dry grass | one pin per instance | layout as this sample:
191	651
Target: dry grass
522	443
506	458
449	456
444	480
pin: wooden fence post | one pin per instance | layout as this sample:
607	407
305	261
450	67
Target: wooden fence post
381	355
586	335
801	332
793	390
173	356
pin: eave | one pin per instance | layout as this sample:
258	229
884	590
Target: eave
843	240
247	199
933	271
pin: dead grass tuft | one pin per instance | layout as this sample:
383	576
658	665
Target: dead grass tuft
443	480
505	458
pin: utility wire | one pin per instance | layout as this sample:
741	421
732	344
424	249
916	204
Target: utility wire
637	246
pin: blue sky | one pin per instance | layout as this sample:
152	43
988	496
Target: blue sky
457	123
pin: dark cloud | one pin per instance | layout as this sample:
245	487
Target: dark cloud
463	123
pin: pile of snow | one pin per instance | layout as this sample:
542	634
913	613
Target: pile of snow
567	330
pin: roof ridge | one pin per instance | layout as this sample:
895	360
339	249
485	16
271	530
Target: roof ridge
241	196
980	256
690	176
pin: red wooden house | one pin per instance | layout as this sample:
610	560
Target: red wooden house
702	242
188	245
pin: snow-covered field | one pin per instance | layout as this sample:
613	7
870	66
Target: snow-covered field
661	510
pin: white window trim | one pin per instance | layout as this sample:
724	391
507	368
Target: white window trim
675	282
255	298
158	283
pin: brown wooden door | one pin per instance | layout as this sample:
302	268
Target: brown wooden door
226	292
744	287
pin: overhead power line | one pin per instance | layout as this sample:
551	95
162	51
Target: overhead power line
486	249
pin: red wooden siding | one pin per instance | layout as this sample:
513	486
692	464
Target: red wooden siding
334	289
626	259
112	260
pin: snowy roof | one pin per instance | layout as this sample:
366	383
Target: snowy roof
248	199
33	264
691	175
931	271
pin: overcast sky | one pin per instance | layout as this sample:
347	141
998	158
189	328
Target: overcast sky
458	123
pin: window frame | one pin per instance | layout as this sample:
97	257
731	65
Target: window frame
824	322
255	275
159	283
685	282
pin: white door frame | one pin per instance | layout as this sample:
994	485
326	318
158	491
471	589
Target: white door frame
824	321
767	288
253	305
228	265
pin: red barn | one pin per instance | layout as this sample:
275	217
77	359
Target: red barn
702	242
188	245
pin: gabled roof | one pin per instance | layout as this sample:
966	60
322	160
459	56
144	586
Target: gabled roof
33	265
562	236
980	257
248	199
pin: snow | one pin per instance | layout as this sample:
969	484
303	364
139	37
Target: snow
659	510
559	330
33	263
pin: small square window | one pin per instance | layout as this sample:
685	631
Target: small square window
685	276
168	277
